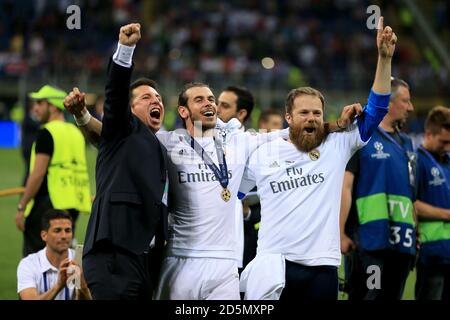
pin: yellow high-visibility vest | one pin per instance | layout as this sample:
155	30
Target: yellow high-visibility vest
67	175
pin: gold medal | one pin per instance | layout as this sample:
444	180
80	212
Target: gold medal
225	194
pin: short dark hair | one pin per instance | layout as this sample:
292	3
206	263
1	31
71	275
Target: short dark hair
308	91
396	83
438	118
182	98
266	114
53	214
143	82
245	99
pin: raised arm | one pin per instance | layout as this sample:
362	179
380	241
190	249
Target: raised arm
117	111
378	102
90	126
386	40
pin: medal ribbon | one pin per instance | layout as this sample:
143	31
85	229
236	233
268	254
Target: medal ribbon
46	288
409	155
222	173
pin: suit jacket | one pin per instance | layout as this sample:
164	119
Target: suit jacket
131	173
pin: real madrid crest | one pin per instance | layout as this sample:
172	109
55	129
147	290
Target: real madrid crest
314	155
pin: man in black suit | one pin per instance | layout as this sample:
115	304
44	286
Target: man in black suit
128	223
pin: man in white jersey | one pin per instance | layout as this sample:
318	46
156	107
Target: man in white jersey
205	170
299	184
200	258
201	262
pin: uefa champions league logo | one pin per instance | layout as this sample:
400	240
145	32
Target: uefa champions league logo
437	180
378	146
435	172
380	154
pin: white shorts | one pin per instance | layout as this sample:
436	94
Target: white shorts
198	279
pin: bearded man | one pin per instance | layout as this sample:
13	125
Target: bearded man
299	185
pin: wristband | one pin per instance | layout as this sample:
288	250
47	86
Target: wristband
81	122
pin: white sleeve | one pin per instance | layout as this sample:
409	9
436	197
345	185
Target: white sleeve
248	181
254	139
220	124
25	276
124	55
232	124
164	137
351	139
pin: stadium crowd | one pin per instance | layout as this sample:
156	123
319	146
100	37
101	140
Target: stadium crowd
217	39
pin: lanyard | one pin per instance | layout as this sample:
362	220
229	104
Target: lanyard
222	173
409	155
66	290
386	135
436	164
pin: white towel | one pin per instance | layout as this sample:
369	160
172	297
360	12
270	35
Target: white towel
239	229
264	277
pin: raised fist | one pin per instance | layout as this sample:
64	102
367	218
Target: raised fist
74	102
130	34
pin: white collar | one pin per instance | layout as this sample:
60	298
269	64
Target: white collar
45	265
232	124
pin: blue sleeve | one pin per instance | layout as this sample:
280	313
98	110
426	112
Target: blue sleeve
374	111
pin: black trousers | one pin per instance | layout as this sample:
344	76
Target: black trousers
310	283
113	273
32	241
393	269
431	281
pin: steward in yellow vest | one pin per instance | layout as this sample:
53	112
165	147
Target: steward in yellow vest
58	172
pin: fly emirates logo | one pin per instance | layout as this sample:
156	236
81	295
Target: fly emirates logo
203	174
296	179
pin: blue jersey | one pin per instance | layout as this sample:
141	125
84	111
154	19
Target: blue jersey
433	188
385	194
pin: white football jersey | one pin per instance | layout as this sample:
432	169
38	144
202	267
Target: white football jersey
300	195
201	223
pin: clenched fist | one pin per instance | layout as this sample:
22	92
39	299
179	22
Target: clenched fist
74	102
130	34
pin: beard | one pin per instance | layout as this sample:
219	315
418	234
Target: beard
44	117
202	126
199	124
306	143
